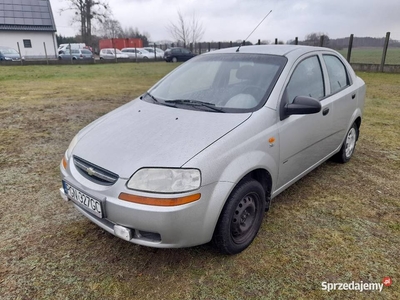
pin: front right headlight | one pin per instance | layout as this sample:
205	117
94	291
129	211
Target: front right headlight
160	180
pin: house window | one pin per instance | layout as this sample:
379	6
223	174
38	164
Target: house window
27	44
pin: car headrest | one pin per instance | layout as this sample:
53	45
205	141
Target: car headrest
245	73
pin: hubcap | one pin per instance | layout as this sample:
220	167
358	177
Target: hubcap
243	218
350	142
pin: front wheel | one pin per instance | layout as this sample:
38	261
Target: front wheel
174	59
348	146
240	218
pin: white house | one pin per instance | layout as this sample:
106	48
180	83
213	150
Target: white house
29	24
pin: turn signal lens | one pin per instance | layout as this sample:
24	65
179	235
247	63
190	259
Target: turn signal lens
159	201
64	162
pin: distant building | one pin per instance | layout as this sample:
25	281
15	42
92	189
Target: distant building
29	23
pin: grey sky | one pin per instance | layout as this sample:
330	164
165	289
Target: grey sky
226	20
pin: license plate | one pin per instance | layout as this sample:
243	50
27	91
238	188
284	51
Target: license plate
82	199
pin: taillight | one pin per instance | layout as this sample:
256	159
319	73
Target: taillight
81	55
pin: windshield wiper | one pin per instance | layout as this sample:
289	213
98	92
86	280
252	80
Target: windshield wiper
152	97
195	103
157	101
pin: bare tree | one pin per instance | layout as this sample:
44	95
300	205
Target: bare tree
186	31
111	29
314	38
86	11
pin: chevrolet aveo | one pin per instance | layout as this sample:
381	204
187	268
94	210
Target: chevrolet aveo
199	156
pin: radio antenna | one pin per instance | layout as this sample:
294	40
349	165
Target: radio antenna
237	50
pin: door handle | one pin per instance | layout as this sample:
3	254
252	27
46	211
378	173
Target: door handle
353	96
325	111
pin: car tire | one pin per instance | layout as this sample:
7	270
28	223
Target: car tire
145	58
174	59
240	218
348	146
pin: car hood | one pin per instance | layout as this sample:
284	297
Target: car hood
142	134
12	55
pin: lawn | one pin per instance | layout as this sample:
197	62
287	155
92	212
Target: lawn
373	55
338	224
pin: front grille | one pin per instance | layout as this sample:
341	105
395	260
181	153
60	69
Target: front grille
94	173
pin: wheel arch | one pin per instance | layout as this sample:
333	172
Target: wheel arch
264	178
357	121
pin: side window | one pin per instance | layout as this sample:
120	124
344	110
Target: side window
338	78
306	80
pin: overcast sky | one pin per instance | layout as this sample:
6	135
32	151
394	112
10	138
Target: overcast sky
231	20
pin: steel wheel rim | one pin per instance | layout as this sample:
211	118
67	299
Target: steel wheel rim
350	142
244	218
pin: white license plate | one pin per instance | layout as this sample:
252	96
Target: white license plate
87	202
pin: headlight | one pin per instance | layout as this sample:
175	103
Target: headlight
71	146
159	180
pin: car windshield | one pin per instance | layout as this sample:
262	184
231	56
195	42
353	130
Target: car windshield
234	82
8	51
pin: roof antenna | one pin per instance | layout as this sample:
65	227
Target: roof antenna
237	50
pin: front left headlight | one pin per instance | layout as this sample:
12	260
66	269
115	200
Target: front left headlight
160	180
71	146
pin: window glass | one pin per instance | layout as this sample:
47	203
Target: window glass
27	44
234	82
338	78
306	80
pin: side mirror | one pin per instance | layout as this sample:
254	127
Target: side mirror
302	105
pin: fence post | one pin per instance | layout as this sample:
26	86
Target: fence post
155	52
209	46
199	48
45	52
70	52
385	47
296	40
19	51
191	47
135	53
230	44
219	45
276	41
350	47
321	41
259	42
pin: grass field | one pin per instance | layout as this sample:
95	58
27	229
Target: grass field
338	224
373	55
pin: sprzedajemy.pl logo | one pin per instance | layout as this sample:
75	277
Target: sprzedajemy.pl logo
356	286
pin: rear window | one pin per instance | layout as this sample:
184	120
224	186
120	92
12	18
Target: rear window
86	51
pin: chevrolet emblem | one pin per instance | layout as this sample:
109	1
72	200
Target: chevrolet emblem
90	171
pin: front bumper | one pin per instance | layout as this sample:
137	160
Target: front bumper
156	226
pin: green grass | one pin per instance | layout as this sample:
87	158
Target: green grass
373	55
338	224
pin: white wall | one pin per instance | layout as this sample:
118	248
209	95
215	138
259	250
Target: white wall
10	39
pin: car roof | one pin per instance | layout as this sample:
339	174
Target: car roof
281	50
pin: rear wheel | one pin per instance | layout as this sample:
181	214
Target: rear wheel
349	144
240	218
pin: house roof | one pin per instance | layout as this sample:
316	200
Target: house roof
26	15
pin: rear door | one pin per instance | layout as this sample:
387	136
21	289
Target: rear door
343	94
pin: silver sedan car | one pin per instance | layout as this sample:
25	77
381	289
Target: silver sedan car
200	155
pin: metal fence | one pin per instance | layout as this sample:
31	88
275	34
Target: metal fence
369	54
